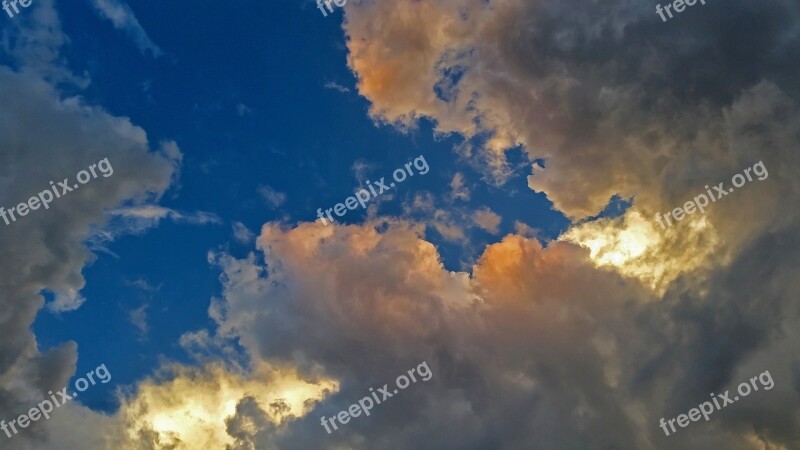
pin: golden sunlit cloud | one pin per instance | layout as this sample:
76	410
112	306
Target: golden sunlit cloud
637	248
192	410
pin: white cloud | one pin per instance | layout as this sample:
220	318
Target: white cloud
121	15
68	300
138	318
138	219
143	284
242	234
273	197
156	213
336	86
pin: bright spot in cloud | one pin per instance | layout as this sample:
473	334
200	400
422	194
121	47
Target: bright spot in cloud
635	247
191	410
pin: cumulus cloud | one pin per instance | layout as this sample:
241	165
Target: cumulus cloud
536	339
183	407
607	99
646	322
600	92
213	407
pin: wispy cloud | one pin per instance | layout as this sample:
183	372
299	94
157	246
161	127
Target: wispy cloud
138	219
273	197
336	86
138	318
142	284
242	234
121	15
243	110
458	188
156	213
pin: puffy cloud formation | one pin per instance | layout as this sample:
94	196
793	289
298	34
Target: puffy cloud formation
539	347
211	407
610	98
188	408
570	346
614	100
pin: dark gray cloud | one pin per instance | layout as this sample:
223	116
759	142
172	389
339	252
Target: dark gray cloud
46	136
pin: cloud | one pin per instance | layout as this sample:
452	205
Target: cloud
213	407
140	218
363	304
156	213
273	197
138	318
47	252
447	222
336	86
458	188
243	110
361	169
143	284
66	300
539	75
242	234
195	408
121	15
487	220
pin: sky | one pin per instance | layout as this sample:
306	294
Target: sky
556	268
